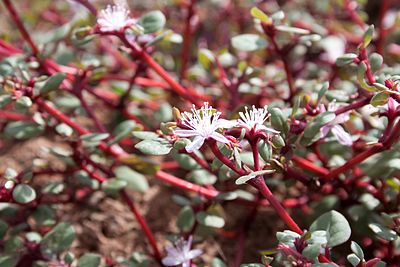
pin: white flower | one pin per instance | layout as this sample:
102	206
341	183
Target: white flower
180	253
334	126
254	119
202	124
114	18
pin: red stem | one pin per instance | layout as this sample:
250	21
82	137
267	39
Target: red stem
384	6
260	185
305	164
21	26
187	36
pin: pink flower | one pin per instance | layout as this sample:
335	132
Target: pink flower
114	18
181	253
335	128
203	124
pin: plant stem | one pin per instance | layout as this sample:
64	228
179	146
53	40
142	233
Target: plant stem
10	7
187	36
260	185
302	162
214	147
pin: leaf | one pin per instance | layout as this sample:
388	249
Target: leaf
44	215
205	57
112	186
53	83
145	135
4	100
202	177
335	224
367	38
357	250
3	228
353	259
23	193
383	232
311	251
154	147
248	42
210	220
345	59
217	262
284	28
279	121
89	260
122	130
135	180
94	137
245	178
57	240
252	265
22	130
8	261
152	21
259	14
185	219
141	164
380	99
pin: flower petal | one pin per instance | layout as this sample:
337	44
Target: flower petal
185	133
222	123
325	130
197	142
219	137
194	253
341	135
170	261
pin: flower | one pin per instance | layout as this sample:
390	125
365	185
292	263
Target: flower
114	18
334	126
180	253
202	124
254	119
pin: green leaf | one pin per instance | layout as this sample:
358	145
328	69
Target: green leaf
335	224
89	260
23	193
22	130
383	232
311	251
279	121
8	261
248	42
145	135
57	240
369	33
112	186
94	137
353	259
4	100
357	250
217	262
3	229
186	219
245	178
44	215
23	103
135	180
202	177
252	265
265	150
152	21
322	91
205	57
259	14
376	61
284	28
345	59
210	220
53	83
312	130
154	147
64	130
380	99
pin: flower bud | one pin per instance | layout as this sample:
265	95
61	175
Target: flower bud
277	141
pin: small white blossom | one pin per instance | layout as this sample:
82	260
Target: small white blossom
181	253
334	126
114	18
254	119
203	124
